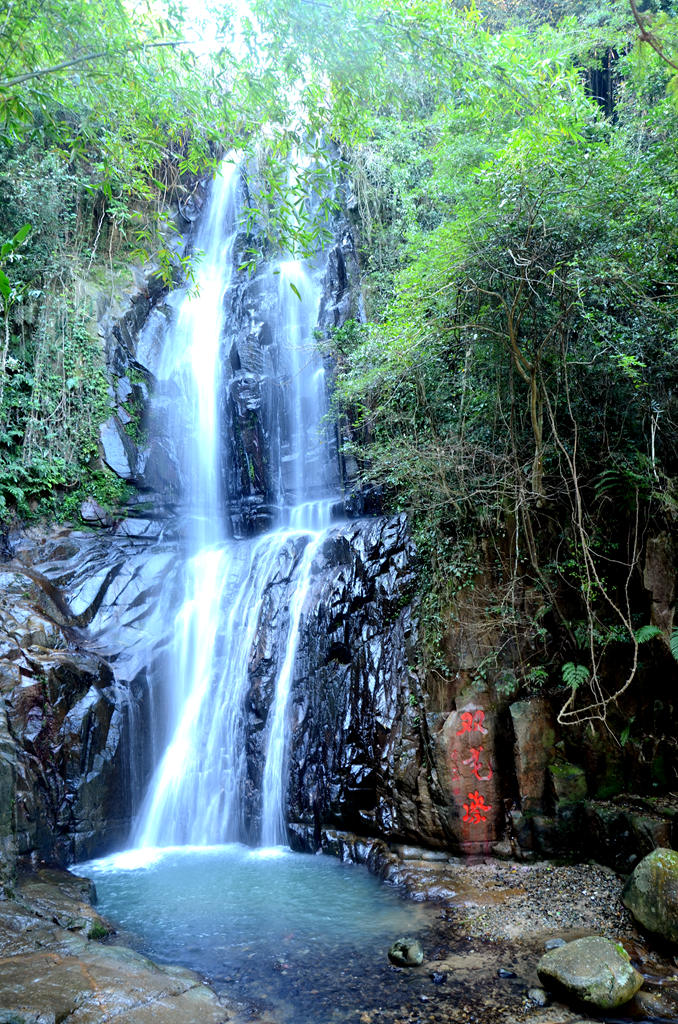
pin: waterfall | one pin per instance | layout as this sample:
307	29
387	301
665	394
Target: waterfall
205	776
192	359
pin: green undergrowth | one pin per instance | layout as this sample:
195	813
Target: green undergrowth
54	386
513	388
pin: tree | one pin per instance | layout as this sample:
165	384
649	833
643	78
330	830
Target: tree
522	279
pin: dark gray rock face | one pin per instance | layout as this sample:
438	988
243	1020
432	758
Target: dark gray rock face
93	514
253	440
354	733
359	756
341	299
74	696
351	682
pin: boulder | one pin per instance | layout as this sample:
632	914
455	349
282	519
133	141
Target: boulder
92	513
406	953
538	996
651	893
592	970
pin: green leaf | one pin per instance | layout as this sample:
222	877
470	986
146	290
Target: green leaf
295	290
5	286
673	643
575	675
646	633
21	235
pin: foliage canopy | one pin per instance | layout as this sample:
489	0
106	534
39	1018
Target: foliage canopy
511	168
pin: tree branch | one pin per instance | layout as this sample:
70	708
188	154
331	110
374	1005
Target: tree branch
647	37
101	54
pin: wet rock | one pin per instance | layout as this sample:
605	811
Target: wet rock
504	972
620	833
158	470
70	766
147	529
538	996
341	288
253	411
406	953
592	970
651	893
357	752
119	451
123	389
8	757
25	1017
151	339
93	514
656	1005
418	853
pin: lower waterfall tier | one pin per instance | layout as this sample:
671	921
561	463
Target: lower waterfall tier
370	752
79	699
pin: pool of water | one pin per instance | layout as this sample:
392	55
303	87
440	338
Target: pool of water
302	938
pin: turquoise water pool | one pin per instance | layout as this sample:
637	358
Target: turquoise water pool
304	938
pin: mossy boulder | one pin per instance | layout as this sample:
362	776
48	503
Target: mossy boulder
592	970
406	953
651	893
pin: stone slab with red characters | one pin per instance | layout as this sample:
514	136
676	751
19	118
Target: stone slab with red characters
468	775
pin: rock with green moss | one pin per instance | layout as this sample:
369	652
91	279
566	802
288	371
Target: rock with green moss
651	893
406	953
569	783
592	970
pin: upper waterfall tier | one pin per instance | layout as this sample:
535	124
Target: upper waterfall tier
191	361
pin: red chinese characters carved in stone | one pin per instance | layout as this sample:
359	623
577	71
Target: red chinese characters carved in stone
472	721
475	809
476	765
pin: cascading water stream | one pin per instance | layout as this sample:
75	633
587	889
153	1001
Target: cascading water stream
192	358
273	831
196	796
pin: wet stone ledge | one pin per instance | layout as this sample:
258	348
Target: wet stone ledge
58	963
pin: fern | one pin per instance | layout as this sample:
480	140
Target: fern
674	643
575	675
646	633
